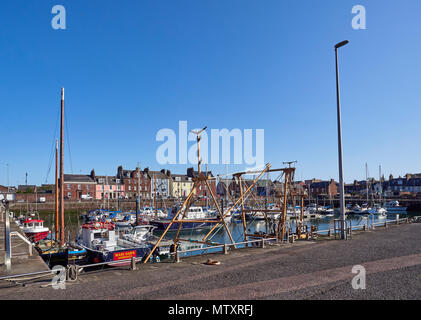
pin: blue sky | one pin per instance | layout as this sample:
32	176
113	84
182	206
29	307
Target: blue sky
130	68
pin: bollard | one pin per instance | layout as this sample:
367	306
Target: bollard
397	218
225	249
385	224
364	228
133	264
292	240
177	257
263	243
328	233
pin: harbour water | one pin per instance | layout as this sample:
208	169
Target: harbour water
237	230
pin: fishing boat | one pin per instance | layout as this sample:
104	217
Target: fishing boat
35	230
256	215
104	245
199	219
394	206
51	252
144	235
377	210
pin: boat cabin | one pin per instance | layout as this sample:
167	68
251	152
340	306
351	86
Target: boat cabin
99	236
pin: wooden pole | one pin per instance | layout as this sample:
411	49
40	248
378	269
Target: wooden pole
170	224
56	198
239	199
243	215
220	213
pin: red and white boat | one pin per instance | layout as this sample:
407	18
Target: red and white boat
35	230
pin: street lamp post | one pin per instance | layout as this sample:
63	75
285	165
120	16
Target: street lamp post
341	180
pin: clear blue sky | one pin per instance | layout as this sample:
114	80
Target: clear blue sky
130	68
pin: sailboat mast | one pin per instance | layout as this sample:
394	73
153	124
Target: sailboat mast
380	182
62	170
56	197
156	200
366	179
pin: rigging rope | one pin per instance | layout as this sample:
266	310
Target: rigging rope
68	140
52	147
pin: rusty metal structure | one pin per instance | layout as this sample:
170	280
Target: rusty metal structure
198	180
288	194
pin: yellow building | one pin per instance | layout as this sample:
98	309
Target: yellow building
181	185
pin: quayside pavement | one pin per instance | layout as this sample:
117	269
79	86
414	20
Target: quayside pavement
319	269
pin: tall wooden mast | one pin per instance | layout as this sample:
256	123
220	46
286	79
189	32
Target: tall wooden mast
61	171
56	197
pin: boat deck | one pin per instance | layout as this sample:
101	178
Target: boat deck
22	262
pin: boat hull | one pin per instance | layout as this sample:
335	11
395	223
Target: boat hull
117	255
162	225
37	236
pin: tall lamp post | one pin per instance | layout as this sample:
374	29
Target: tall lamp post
341	179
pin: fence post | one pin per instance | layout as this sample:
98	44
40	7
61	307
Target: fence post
397	218
292	240
263	243
7	245
225	249
177	257
133	264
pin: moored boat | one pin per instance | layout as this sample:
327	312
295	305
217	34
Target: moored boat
394	206
35	230
195	218
103	244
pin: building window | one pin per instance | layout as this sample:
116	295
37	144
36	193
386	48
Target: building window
69	186
69	194
79	186
130	188
117	180
111	187
87	187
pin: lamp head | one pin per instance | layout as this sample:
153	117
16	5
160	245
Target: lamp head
341	44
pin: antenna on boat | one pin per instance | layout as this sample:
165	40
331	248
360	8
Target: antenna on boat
199	160
289	163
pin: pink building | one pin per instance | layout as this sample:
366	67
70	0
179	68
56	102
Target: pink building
109	187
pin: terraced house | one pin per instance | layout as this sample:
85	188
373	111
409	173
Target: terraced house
79	186
109	187
180	185
136	182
